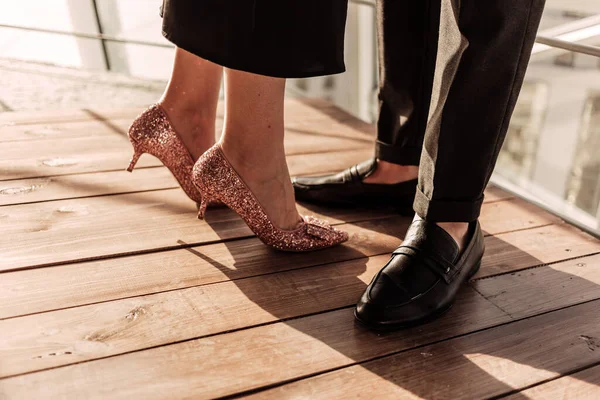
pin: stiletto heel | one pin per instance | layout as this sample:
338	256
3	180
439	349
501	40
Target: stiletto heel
153	132
134	160
202	208
214	175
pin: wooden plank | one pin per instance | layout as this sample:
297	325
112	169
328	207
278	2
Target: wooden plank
263	354
63	130
220	307
512	215
301	113
66	230
23	191
308	131
577	279
494	193
38	290
65	162
63	187
299	138
542	245
583	385
325	121
50	157
66	186
35	190
481	365
105	329
60	231
306	107
8	119
269	354
301	131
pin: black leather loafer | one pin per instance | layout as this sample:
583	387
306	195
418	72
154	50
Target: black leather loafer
422	278
347	188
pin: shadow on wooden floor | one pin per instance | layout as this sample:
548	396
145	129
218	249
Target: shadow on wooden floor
475	325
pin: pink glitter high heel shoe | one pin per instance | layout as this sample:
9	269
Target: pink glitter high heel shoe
152	133
214	176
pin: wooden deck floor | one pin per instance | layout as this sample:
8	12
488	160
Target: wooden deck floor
111	288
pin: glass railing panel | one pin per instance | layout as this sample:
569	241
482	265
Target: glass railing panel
552	150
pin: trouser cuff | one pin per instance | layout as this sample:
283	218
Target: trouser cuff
446	211
396	154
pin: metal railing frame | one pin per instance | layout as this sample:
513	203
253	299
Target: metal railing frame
100	31
94	36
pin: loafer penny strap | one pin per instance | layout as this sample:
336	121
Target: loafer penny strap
437	264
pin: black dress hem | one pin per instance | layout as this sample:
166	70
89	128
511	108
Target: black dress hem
233	63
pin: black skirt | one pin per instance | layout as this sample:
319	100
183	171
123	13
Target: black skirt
280	38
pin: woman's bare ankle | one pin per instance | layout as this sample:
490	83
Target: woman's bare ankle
268	178
196	129
259	161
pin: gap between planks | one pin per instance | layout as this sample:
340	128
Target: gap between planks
580	384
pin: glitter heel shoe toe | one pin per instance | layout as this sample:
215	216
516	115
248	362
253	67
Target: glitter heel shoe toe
152	133
216	178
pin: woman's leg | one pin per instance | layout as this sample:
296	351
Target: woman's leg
253	142
191	98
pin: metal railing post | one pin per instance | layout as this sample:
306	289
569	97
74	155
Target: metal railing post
101	31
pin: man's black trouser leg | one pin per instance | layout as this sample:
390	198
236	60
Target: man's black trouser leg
482	50
406	69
